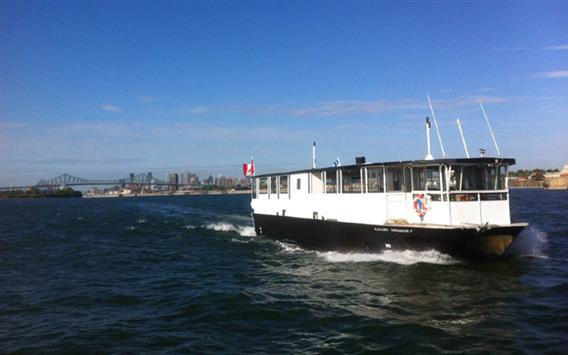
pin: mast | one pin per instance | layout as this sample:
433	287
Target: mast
463	138
436	124
314	155
429	156
490	130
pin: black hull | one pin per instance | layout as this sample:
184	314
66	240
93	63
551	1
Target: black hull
333	235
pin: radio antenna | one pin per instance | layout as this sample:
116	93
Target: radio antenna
463	138
490	130
436	125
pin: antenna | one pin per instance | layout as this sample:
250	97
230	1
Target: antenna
314	155
436	124
463	138
429	156
490	130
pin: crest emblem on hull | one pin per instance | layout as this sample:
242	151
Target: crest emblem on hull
420	206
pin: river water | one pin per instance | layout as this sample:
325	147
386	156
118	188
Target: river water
187	274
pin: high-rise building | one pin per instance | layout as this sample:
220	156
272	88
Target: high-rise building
173	180
194	180
209	180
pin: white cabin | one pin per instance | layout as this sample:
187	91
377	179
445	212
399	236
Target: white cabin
449	192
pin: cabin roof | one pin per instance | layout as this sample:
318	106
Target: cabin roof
458	161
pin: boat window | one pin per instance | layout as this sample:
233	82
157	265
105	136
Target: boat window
502	182
316	183
490	178
472	178
481	178
375	181
435	197
455	178
298	184
394	179
427	178
494	196
273	185
263	186
463	197
407	179
331	181
284	184
351	178
253	187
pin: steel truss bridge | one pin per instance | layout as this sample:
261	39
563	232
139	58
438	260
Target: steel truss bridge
66	180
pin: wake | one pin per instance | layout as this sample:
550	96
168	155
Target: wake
401	257
531	242
243	231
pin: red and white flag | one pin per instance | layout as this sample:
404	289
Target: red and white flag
248	168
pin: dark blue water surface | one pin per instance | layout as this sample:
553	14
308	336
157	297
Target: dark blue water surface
187	274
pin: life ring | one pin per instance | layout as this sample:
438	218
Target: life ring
420	205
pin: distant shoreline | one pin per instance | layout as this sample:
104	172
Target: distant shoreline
179	193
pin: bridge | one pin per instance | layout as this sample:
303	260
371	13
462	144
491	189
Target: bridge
66	180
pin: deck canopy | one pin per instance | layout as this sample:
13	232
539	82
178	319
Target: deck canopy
420	176
412	163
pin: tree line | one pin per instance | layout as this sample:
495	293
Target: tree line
36	193
526	173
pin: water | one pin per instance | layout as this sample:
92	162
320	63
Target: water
187	274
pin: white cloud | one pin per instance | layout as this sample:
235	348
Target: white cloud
552	74
199	110
98	129
342	107
9	125
511	48
557	48
147	99
486	89
235	133
336	108
111	108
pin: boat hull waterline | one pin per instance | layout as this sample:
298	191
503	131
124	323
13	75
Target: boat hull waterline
343	236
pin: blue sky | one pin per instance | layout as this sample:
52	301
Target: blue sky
102	88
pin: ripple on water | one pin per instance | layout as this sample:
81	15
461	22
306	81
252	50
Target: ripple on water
187	274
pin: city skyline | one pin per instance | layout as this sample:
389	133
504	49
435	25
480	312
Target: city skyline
98	89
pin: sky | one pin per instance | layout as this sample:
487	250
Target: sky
99	89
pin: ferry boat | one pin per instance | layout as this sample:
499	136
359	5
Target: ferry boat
455	206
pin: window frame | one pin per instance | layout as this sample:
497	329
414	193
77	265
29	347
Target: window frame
335	189
380	179
349	178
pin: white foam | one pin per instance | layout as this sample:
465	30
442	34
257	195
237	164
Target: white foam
189	226
244	231
141	220
402	257
530	242
288	248
220	227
